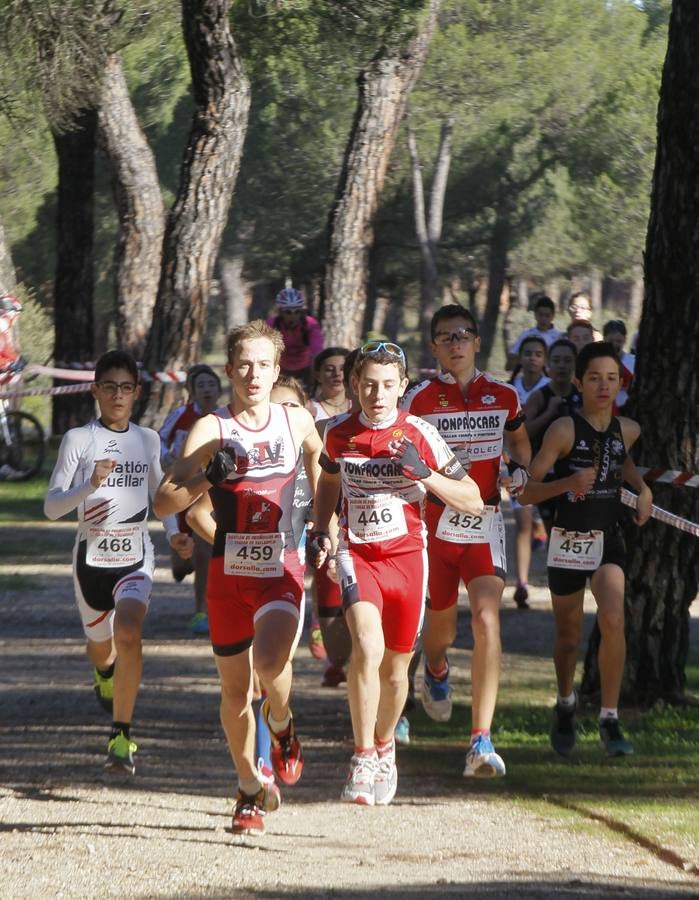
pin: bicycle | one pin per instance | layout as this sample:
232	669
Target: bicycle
22	438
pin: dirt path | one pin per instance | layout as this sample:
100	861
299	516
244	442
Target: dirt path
69	831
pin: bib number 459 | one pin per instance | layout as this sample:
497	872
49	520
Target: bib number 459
255	554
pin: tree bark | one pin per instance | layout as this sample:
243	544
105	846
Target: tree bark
384	87
73	288
207	181
8	282
140	210
663	563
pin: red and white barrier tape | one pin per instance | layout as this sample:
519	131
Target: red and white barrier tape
38	392
662	515
89	374
670	476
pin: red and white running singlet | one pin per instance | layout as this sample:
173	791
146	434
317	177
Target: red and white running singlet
254	506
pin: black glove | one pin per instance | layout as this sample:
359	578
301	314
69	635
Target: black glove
318	543
404	452
221	466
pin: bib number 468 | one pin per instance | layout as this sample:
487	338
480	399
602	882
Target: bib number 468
115	545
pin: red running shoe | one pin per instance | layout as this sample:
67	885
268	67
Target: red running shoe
286	754
249	812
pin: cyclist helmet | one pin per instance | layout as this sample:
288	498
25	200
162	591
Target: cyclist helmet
290	298
10	304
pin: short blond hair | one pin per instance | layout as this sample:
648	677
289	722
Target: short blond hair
258	328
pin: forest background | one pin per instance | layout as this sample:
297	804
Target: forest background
549	110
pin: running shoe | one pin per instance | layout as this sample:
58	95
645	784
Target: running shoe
612	738
104	691
481	759
359	787
538	544
386	777
181	568
250	810
286	754
315	642
199	623
120	751
563	728
402	731
521	595
436	696
334	676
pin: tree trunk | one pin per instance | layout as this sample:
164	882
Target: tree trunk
73	288
384	87
8	282
139	207
429	228
497	271
234	290
636	301
663	563
209	171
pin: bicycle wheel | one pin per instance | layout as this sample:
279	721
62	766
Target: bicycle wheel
22	446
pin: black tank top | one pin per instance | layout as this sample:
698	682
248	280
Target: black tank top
571	404
601	507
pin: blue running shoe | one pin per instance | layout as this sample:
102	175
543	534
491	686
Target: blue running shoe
612	738
436	696
482	761
402	731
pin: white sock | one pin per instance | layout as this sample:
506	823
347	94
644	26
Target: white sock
609	712
567	701
282	725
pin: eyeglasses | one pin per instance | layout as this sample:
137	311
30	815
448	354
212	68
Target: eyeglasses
444	338
372	347
113	387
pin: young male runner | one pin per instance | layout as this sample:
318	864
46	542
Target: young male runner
384	460
245	456
107	470
589	452
472	411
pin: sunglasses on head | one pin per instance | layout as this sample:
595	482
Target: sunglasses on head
373	347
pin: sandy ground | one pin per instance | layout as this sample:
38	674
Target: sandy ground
68	830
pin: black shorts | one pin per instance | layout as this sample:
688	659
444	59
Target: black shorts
567	581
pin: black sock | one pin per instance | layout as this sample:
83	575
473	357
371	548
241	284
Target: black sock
119	727
108	672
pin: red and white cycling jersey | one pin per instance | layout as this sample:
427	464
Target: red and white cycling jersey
472	425
381	509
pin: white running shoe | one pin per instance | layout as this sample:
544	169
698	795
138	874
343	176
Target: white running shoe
482	761
436	696
386	778
359	787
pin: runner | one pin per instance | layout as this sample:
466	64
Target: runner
204	387
590	454
473	412
544	313
614	332
330	397
384	460
558	398
303	338
581	333
245	456
531	377
107	470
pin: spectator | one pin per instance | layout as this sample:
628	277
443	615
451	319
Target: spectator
303	339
